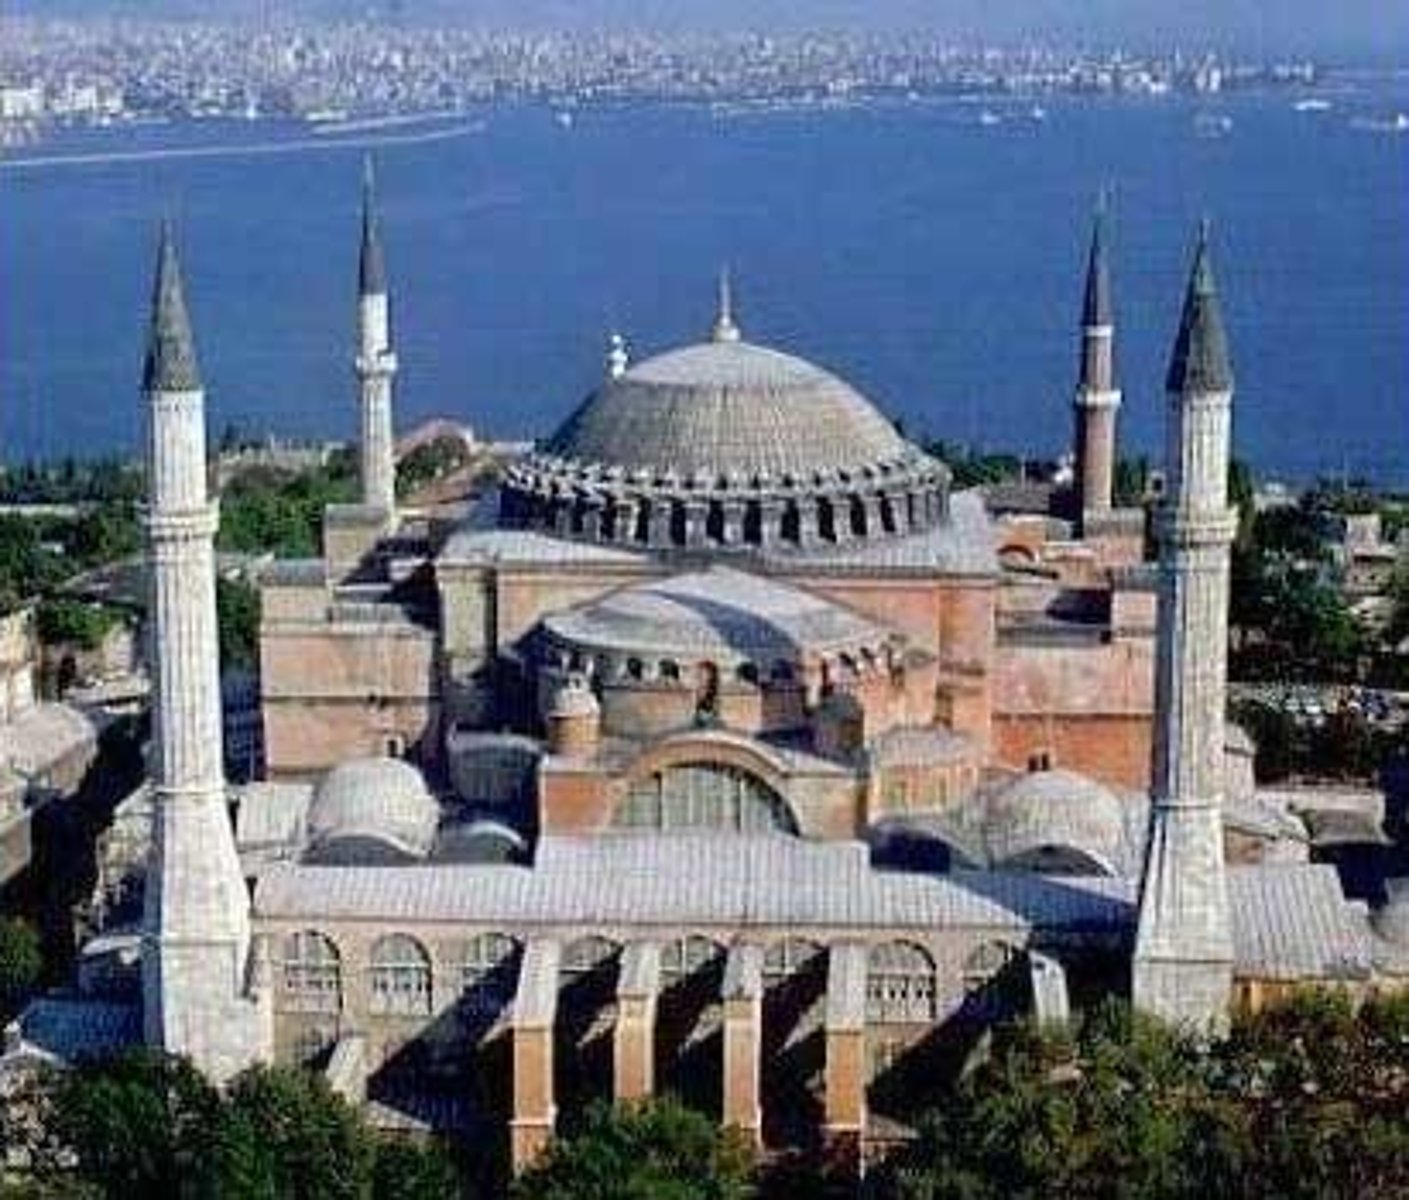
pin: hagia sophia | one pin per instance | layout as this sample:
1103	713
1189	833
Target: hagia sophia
721	748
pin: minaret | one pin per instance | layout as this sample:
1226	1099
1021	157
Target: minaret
1097	398
724	328
196	951
1183	944
376	364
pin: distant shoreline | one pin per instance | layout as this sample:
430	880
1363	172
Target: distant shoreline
327	140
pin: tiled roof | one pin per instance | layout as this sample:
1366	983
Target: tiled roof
725	408
1293	922
703	878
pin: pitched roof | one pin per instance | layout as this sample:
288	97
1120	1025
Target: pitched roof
1200	363
171	364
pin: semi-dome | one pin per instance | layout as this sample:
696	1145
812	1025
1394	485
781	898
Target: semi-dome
725	444
719	409
371	809
1055	822
726	616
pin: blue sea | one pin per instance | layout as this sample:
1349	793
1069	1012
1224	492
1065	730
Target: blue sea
929	253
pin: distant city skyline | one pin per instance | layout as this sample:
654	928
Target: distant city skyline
1361	28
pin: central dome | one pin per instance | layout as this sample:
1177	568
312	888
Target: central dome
724	446
729	410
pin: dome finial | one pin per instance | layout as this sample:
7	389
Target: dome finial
618	357
724	328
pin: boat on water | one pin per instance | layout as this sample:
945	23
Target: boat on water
564	118
1213	125
1399	123
989	118
1312	104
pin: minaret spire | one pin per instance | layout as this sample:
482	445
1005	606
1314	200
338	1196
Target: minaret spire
375	364
372	268
196	947
171	363
1097	398
1183	947
724	328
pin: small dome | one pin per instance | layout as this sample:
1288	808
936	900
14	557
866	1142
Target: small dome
1055	822
728	406
372	807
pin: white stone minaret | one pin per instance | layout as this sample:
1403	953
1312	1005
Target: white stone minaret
376	365
1183	947
196	949
1097	398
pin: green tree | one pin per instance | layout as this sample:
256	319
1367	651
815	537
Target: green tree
407	1170
285	1135
265	511
1131	483
657	1150
21	963
139	1125
65	620
237	608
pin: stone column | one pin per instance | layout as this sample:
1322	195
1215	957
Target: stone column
770	532
807	523
634	1038
696	514
659	522
531	1024
742	995
733	522
844	1024
626	520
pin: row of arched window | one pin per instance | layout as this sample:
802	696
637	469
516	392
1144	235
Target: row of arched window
842	667
399	974
666	521
901	981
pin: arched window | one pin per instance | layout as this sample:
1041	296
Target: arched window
987	962
858	517
888	515
826	521
714	522
586	955
635	669
687	956
669	670
900	985
488	974
400	976
642	532
312	973
782	960
782	671
704	796
790	529
747	672
753	523
678	522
